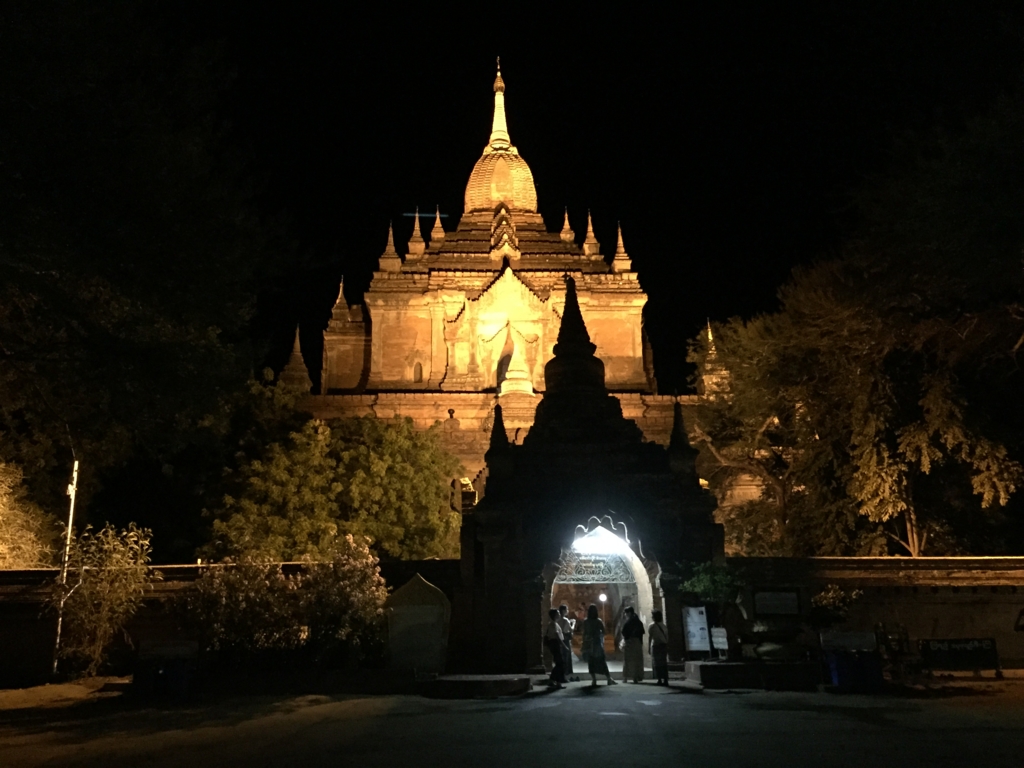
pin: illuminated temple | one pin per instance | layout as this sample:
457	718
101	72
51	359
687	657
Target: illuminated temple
466	319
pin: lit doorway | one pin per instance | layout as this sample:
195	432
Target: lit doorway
601	568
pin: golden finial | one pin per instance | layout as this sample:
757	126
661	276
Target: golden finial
389	249
499	130
437	233
567	234
416	244
621	261
591	247
499	84
389	260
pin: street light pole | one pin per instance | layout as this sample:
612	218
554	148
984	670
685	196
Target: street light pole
72	490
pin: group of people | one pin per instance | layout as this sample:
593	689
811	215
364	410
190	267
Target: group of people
558	637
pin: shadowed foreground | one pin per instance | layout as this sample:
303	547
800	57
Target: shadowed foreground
955	726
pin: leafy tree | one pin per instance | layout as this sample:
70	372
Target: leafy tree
108	574
252	607
718	585
130	254
26	532
880	398
367	477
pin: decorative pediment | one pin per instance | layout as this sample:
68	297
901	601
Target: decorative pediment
576	568
508	291
503	231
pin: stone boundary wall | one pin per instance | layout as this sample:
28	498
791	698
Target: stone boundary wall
468	435
27	628
932	597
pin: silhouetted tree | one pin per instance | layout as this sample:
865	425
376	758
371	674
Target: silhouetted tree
881	397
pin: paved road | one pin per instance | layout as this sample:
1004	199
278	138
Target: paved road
980	727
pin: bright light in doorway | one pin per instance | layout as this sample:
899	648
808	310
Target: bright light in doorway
600	541
602	597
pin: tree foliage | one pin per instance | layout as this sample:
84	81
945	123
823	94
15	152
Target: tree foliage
108	574
129	252
877	406
26	533
367	477
250	607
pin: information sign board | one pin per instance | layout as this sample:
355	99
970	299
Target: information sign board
695	624
719	639
960	654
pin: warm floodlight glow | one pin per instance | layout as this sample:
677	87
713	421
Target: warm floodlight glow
602	597
600	541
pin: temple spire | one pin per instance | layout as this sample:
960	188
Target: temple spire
572	333
389	260
574	367
499	437
416	244
499	130
437	233
340	300
591	247
681	455
621	262
295	373
567	234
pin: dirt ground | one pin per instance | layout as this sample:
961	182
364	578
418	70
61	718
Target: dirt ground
956	723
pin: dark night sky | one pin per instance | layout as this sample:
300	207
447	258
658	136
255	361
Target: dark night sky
726	140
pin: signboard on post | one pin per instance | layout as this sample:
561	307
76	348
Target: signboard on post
962	654
719	639
695	624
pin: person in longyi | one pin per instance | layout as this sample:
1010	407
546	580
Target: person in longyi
658	638
593	646
632	637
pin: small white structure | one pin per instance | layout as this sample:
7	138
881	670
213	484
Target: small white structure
418	615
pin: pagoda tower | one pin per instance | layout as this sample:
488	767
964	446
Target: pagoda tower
453	312
581	467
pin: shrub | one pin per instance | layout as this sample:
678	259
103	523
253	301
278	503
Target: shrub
26	532
250	608
108	575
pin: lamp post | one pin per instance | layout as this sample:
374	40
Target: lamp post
72	490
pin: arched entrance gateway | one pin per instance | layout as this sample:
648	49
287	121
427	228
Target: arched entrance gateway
604	568
528	542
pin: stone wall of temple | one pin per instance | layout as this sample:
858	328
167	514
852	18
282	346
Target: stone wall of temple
467	428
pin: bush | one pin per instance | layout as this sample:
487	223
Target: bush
26	532
714	584
108	575
252	608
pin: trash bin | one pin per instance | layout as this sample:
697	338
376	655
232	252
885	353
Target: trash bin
854	670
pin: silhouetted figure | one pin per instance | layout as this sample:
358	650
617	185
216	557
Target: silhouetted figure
553	640
658	638
593	646
632	636
567	625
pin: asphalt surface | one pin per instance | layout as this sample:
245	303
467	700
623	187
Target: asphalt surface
978	726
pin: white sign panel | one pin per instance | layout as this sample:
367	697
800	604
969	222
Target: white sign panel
719	639
695	624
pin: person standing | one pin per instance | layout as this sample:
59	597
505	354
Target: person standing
658	638
593	646
567	625
632	635
553	640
